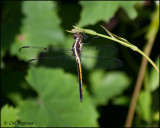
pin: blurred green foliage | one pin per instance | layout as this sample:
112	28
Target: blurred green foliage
98	12
49	96
56	104
9	115
107	82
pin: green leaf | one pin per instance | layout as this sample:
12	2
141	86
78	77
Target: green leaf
15	97
156	116
107	86
95	11
129	8
8	116
40	26
154	77
123	100
144	105
57	103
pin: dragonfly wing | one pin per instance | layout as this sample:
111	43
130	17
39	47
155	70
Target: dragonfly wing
102	51
55	51
53	57
99	57
65	61
101	62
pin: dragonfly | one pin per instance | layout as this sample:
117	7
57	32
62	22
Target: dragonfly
67	58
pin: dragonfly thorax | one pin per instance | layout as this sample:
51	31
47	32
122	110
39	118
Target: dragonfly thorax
77	35
77	45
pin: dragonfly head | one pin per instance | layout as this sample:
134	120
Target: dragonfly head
77	35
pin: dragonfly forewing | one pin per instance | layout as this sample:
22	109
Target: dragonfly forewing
102	51
101	63
53	56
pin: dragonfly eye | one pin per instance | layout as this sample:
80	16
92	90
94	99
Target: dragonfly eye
74	36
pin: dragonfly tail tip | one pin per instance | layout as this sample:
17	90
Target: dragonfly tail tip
81	100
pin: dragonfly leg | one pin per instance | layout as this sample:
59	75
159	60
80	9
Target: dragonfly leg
85	36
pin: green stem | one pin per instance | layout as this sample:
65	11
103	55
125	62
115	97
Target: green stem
119	41
153	64
132	47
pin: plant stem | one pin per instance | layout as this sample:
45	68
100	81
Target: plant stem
139	81
132	47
